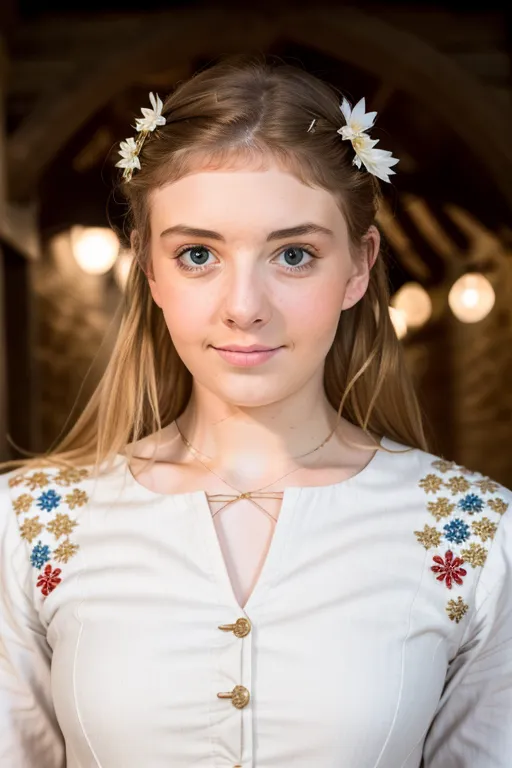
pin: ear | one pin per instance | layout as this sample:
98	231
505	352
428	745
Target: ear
134	244
362	264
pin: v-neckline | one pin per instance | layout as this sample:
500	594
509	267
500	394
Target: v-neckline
281	534
208	537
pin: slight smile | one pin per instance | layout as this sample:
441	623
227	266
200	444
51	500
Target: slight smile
246	359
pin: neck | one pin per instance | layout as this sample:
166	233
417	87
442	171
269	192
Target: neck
256	443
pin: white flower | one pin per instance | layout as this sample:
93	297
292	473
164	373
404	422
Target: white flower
376	161
152	117
129	151
357	119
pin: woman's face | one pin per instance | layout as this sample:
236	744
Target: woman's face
246	280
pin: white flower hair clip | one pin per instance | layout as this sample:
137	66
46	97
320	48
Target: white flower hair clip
376	161
130	149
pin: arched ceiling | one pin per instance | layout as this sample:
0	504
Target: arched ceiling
102	59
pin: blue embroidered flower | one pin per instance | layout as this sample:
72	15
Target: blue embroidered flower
49	500
457	531
471	503
40	555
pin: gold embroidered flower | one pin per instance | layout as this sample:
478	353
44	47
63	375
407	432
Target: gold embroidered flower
76	498
61	525
441	507
31	528
70	475
429	537
16	480
431	483
498	505
37	480
456	609
487	486
443	466
484	528
65	550
23	503
475	554
458	484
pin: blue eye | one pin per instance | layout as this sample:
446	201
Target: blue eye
193	249
203	252
299	267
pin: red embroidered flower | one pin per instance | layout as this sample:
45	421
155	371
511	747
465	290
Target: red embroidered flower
49	580
448	569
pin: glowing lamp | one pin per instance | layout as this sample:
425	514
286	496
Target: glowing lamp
471	298
414	303
94	248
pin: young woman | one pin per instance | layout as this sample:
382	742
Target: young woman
250	558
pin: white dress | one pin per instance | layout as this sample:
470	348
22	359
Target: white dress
378	635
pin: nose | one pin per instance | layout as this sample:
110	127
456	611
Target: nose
246	299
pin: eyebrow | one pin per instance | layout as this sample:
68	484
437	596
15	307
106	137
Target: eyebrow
278	234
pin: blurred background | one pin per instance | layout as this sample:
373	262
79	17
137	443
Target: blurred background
74	74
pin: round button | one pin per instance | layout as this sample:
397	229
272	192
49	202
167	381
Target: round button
242	627
239	696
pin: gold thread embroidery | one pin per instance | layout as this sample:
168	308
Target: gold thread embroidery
458	485
475	554
456	609
51	503
453	543
487	486
37	480
23	503
61	525
498	505
70	476
31	528
76	498
429	537
64	551
16	480
443	466
431	483
440	508
484	528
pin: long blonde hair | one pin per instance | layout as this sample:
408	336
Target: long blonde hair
243	107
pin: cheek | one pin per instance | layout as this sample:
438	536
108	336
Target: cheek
187	315
316	311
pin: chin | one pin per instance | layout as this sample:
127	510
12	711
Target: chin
248	399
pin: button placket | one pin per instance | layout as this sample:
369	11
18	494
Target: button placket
240	695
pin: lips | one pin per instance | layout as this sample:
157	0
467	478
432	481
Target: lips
247	359
252	348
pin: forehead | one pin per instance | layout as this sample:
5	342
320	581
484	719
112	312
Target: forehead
244	195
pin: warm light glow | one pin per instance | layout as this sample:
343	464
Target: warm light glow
415	304
399	321
122	267
94	248
471	298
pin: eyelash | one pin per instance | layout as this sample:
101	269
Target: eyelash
300	268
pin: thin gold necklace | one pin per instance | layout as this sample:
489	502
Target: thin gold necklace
230	498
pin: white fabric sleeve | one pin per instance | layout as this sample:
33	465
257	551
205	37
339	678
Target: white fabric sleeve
29	732
473	723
